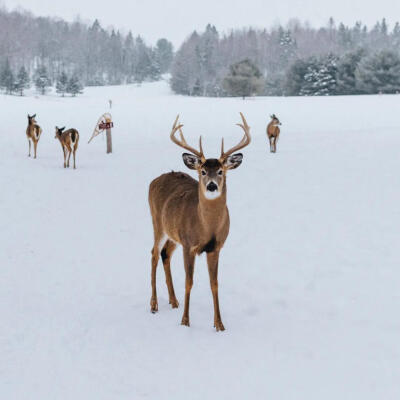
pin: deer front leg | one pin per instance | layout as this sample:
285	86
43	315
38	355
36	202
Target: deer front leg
29	141
212	261
188	259
154	262
270	144
34	148
65	156
74	158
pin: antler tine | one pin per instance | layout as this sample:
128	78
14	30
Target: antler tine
243	143
182	142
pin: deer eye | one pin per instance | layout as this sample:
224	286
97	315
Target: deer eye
220	172
203	172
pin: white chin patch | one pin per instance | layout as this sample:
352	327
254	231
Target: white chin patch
212	195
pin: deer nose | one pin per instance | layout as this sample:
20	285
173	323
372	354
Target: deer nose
212	187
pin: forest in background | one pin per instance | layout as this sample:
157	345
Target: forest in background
51	47
293	60
296	59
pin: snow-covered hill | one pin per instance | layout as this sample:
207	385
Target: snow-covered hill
309	276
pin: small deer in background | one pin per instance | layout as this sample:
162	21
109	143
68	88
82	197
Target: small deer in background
33	132
273	132
194	214
69	142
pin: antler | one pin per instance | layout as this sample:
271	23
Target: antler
243	143
182	142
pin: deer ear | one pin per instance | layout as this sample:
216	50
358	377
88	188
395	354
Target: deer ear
61	129
34	115
191	161
233	161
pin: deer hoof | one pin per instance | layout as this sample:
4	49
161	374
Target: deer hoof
174	303
153	306
219	326
185	321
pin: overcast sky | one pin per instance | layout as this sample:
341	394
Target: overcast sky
175	19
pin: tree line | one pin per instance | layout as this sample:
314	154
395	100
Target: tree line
51	47
293	60
13	83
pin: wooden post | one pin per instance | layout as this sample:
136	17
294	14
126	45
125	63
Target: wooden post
109	140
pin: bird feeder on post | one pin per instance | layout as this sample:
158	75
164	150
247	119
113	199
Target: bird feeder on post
104	124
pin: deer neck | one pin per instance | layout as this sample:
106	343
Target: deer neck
212	213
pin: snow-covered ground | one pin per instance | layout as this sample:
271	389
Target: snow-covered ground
309	276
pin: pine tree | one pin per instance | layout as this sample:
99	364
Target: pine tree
62	84
346	72
320	78
164	54
295	81
287	47
42	80
7	80
74	86
23	81
244	79
379	73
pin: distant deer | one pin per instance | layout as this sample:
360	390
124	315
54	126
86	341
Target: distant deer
69	142
273	132
33	132
194	214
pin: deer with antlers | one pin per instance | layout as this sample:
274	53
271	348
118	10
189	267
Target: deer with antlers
33	132
194	214
69	142
273	132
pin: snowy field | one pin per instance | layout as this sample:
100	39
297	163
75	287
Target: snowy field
309	276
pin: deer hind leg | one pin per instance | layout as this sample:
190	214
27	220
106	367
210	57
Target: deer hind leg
166	255
270	144
188	259
69	150
155	255
212	261
34	147
74	151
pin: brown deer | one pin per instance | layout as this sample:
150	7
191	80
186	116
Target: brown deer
194	214
69	142
273	132
33	132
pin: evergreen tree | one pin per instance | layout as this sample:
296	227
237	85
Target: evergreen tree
74	86
42	80
142	64
164	54
23	81
154	71
320	78
379	73
295	78
62	84
396	36
287	47
346	72
244	79
7	80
